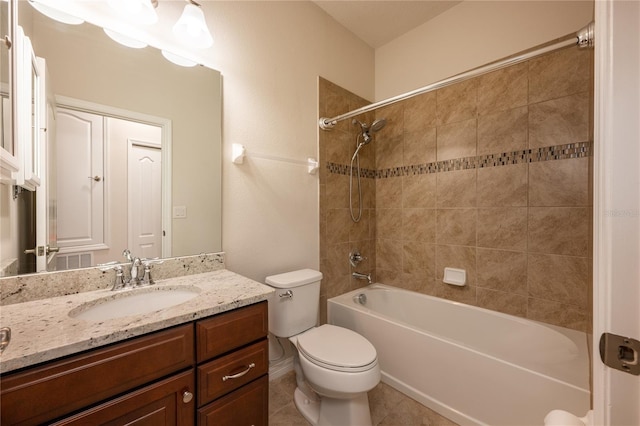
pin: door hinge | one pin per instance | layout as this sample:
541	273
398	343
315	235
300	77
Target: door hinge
620	353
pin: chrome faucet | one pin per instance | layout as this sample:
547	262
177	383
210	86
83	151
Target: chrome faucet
136	279
134	272
360	276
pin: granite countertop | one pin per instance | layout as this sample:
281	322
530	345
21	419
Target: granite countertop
42	330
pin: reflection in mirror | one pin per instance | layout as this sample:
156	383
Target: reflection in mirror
101	88
6	142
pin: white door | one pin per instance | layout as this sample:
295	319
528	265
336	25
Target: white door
46	198
81	180
145	198
616	396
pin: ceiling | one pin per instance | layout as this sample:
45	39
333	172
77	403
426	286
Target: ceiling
377	22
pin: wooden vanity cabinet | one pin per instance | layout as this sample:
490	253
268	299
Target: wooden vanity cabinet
167	402
46	392
233	362
213	370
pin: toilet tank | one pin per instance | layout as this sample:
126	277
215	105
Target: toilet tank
293	308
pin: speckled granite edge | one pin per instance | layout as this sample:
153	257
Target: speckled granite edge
25	288
43	330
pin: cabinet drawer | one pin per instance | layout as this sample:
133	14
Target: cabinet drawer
247	406
225	374
162	403
231	330
60	387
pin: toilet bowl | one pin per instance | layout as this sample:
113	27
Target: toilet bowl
340	366
335	367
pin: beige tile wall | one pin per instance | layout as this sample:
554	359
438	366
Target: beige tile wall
521	230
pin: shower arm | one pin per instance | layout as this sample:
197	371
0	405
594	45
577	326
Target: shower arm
583	38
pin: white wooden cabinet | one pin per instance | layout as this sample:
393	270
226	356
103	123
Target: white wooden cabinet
9	163
28	121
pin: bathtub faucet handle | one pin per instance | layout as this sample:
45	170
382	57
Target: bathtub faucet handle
355	258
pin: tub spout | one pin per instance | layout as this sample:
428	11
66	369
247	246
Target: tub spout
360	276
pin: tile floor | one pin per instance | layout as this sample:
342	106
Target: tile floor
388	407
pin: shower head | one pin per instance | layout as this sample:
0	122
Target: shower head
376	126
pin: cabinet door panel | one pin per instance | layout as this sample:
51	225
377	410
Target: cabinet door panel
229	372
247	406
155	405
60	387
231	330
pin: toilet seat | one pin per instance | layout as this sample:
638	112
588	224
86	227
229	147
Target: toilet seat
337	348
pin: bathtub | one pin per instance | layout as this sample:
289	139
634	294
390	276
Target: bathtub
472	365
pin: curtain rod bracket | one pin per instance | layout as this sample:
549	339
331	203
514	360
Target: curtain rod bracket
326	123
586	36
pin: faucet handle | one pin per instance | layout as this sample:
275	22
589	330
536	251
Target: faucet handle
118	281
146	278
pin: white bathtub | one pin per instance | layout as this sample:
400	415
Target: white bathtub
472	365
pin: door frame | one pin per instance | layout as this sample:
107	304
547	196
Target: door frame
616	214
165	125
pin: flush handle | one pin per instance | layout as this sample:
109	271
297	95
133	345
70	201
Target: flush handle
288	294
620	353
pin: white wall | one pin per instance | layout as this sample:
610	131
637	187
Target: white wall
270	55
469	35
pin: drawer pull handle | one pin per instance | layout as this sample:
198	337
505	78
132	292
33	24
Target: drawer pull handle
240	374
187	397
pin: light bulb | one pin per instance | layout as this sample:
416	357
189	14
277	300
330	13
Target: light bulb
192	28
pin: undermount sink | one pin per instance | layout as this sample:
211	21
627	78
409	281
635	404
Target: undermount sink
134	302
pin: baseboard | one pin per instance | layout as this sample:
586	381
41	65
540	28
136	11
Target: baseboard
280	368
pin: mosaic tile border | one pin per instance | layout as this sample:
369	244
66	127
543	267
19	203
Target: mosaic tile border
533	155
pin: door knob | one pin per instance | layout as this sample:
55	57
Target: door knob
52	249
187	397
95	178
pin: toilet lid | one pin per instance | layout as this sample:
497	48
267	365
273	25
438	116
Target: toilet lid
337	348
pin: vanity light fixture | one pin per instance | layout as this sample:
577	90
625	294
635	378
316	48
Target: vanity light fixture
138	11
192	28
178	60
55	14
124	40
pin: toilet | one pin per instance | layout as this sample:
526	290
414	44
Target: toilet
335	367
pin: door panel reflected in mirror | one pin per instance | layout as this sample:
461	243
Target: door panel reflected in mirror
87	71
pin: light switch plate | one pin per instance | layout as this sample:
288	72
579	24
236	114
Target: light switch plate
179	212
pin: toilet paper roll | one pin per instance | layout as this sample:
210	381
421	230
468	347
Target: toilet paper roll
564	418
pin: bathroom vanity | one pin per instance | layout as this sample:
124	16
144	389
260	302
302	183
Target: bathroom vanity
201	362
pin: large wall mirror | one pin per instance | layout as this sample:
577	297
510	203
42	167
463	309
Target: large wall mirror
143	109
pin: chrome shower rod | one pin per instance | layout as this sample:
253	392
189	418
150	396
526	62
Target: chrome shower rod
583	38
